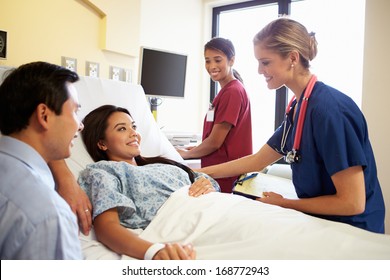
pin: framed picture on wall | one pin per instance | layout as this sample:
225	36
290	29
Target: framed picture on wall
3	44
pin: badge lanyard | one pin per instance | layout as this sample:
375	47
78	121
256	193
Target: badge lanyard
293	155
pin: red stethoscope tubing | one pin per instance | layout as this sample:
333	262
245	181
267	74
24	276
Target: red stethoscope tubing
302	113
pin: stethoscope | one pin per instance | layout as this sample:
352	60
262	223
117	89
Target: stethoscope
294	156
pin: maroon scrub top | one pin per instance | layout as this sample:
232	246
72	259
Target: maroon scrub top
231	105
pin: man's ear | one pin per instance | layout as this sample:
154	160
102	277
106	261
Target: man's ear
101	145
43	115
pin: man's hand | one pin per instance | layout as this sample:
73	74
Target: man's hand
71	192
79	203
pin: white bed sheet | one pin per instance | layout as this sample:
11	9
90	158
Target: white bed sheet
223	226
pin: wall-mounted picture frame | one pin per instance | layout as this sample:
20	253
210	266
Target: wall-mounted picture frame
3	44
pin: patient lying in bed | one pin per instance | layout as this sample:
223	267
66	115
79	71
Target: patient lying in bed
126	189
195	221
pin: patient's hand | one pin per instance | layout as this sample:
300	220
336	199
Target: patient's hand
176	251
200	187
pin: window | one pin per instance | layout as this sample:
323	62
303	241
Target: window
239	23
339	62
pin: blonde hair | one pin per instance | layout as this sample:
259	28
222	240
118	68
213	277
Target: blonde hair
284	35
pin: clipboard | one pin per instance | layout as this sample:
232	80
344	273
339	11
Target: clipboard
252	185
245	186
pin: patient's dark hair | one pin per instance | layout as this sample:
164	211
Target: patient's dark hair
95	125
225	46
29	85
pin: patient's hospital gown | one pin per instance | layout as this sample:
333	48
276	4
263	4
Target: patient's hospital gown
136	191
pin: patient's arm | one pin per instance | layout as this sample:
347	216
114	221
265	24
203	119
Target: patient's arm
111	233
77	199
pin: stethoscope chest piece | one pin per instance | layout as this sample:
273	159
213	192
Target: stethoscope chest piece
293	157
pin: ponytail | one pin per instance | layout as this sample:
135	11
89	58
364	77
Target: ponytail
237	76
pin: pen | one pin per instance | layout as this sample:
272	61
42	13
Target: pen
250	176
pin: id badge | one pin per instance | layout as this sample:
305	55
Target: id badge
210	115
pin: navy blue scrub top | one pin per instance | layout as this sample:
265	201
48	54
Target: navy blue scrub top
334	137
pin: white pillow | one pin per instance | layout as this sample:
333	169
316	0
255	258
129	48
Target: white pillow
93	92
280	170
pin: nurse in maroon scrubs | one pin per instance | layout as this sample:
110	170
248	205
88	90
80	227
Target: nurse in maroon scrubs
227	129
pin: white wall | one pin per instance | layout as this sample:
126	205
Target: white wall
376	93
184	27
176	25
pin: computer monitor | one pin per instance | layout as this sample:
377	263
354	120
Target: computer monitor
162	73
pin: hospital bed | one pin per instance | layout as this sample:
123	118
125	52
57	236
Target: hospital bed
230	228
221	226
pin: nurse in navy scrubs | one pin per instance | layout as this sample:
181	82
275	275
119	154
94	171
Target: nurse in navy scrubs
324	136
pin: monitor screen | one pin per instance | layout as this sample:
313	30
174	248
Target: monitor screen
162	73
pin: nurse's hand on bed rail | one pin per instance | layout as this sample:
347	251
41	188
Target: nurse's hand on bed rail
200	187
175	251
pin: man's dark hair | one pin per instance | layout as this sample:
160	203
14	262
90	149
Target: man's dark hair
29	85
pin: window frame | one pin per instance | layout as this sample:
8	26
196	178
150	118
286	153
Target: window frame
283	9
